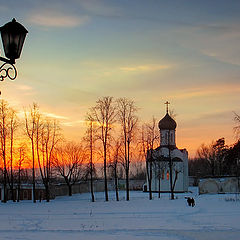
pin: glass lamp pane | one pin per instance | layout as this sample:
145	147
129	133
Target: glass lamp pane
5	41
20	44
13	46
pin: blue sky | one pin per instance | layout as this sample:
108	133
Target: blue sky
186	52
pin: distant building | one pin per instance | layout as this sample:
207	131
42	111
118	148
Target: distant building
162	155
25	192
215	185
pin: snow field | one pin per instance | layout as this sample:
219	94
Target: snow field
77	217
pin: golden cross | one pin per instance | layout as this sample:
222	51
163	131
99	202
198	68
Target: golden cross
167	103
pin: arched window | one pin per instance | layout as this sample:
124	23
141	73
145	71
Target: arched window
162	139
166	138
167	175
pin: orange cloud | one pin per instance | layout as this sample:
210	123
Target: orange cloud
148	67
52	115
73	123
54	19
210	91
24	87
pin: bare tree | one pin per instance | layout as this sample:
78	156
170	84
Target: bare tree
4	131
44	135
22	157
160	166
207	153
31	119
128	121
114	163
138	167
150	136
90	137
214	154
177	169
237	127
68	162
145	153
104	114
49	137
13	124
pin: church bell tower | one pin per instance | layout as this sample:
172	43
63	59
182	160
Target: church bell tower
167	127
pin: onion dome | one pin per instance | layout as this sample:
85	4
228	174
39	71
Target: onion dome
167	123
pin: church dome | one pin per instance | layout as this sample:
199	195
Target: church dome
167	123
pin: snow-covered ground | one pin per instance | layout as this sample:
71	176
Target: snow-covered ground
215	217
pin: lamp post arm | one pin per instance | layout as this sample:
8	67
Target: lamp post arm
7	60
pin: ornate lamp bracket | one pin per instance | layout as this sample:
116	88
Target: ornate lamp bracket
8	70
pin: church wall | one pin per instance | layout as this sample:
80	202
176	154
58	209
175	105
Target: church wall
181	167
165	178
185	169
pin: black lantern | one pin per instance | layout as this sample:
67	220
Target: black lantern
13	36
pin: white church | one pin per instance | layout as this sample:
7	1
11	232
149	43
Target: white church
164	155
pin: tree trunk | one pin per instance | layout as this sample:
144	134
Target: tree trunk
91	175
5	197
170	167
19	184
116	183
91	160
159	186
105	173
92	193
175	179
127	170
11	188
213	166
19	192
47	191
127	184
11	179
150	182
33	174
69	189
34	185
171	178
149	176
11	161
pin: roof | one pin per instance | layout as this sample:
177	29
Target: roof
167	123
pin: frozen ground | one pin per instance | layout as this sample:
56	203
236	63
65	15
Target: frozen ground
213	218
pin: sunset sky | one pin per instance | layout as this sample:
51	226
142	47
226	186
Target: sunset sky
186	52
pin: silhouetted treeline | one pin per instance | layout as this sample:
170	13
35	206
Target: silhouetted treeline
216	159
33	150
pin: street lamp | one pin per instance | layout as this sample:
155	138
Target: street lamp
13	35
